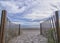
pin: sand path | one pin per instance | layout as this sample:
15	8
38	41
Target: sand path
29	37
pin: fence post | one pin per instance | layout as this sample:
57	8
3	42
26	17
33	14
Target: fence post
40	29
19	30
3	18
57	26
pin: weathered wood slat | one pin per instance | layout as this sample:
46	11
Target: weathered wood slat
3	19
19	30
57	26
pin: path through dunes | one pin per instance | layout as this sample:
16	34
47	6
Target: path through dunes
30	36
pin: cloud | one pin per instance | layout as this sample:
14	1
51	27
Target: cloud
12	7
28	9
17	6
28	23
37	16
43	10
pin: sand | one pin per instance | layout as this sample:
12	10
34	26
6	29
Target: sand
30	36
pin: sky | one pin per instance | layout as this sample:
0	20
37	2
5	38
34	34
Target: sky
29	12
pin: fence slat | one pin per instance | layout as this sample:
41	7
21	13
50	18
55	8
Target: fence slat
57	26
40	29
3	18
19	30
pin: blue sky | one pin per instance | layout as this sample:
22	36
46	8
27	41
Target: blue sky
29	12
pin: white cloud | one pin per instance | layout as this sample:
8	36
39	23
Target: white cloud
43	10
12	7
35	16
17	6
27	23
18	22
40	9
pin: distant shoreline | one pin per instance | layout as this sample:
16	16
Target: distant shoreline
30	29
